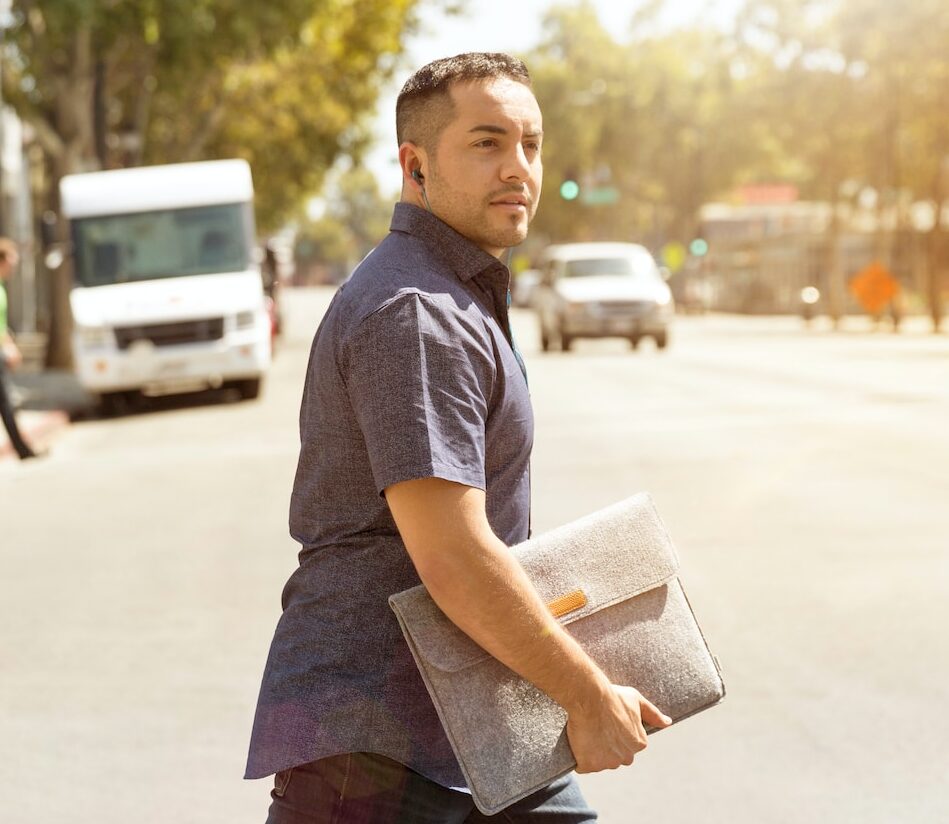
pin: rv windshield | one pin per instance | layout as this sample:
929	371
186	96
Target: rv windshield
166	244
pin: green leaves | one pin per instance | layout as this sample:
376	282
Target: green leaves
643	127
112	83
814	93
356	218
285	85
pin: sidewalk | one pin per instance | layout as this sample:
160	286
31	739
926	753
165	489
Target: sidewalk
47	401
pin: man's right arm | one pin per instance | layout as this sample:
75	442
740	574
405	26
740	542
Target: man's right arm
481	587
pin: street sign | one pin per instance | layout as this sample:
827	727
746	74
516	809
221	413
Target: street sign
874	287
600	196
674	256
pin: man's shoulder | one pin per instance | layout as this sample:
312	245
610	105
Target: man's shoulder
400	270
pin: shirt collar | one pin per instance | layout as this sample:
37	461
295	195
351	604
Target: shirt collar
464	257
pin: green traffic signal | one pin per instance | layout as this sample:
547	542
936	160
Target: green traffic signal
569	190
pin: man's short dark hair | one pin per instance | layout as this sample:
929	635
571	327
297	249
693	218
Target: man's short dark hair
424	106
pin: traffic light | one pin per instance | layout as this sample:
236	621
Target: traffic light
570	188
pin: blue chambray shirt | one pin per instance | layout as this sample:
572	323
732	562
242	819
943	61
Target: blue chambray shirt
412	374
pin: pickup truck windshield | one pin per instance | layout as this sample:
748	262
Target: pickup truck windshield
166	244
640	265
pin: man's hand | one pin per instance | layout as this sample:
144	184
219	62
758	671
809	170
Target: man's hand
607	733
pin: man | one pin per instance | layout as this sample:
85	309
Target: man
416	430
10	357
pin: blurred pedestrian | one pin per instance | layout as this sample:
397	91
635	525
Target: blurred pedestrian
10	357
416	431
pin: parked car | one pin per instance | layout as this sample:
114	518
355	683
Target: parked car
597	290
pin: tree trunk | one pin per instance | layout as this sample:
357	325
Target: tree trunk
59	343
75	121
100	113
936	261
836	287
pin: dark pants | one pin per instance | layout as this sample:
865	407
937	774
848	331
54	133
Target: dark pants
364	788
9	421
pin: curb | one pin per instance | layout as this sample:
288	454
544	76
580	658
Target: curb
36	428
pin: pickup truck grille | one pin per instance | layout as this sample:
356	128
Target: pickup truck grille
171	334
626	308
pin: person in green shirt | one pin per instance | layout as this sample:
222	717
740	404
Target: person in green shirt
10	357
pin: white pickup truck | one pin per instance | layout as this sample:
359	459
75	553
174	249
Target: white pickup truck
167	295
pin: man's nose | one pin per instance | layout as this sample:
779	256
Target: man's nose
516	167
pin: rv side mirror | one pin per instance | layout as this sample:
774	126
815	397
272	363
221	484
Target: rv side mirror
48	226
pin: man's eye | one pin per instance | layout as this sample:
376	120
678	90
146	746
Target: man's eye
532	146
487	143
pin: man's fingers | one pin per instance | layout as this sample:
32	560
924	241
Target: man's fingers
614	740
604	764
651	714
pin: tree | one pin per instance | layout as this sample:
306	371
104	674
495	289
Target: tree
811	100
907	73
292	113
860	90
357	217
833	96
107	83
651	120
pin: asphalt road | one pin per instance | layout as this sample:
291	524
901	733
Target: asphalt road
804	476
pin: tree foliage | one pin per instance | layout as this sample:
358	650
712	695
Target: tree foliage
292	113
834	96
653	118
288	85
861	87
356	218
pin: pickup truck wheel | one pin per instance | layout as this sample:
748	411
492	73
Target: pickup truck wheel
249	388
662	340
114	404
544	339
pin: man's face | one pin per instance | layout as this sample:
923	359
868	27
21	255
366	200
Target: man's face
484	180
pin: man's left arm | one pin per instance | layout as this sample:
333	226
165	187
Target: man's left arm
480	586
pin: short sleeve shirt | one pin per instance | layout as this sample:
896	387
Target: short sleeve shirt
412	374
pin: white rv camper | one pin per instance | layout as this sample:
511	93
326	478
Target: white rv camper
167	294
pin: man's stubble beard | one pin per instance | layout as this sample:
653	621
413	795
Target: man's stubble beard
474	222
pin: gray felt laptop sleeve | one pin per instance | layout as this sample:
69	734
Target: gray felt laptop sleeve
611	579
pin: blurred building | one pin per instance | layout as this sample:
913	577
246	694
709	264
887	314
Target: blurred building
765	246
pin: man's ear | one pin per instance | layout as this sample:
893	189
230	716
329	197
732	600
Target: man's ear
413	159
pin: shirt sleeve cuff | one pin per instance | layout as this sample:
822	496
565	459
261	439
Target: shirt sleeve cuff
468	476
